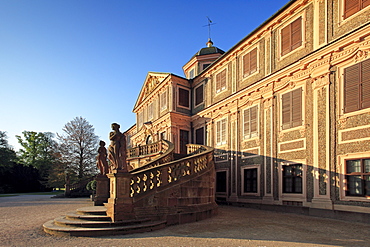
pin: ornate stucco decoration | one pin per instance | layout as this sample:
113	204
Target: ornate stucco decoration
361	55
152	82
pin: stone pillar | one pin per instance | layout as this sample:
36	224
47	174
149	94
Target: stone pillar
120	204
102	190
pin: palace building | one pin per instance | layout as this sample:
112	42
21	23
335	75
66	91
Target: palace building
287	110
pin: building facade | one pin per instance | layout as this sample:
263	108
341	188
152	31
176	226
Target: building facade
287	109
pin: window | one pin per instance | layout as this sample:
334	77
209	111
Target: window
191	74
183	97
250	62
353	6
199	95
250	184
150	111
357	87
140	119
205	65
291	106
358	177
250	128
221	180
291	36
221	81
199	136
163	100
221	132
292	178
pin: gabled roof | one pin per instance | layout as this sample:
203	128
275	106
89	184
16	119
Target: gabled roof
152	80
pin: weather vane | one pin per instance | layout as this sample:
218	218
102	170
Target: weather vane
209	27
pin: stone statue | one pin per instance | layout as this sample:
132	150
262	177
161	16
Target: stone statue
101	159
117	149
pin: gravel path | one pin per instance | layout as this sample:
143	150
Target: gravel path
22	217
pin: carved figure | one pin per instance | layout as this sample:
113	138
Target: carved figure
117	149
101	159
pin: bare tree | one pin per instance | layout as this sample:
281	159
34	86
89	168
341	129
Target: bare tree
78	148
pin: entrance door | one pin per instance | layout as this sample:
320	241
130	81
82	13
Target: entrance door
184	139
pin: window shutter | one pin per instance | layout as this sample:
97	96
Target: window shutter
285	109
218	82
351	88
183	97
218	132
247	123
351	7
285	40
253	121
223	79
223	131
365	85
296	107
253	61
246	64
296	30
365	3
199	95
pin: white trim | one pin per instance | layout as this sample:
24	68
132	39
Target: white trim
341	20
292	150
226	80
250	156
340	133
221	142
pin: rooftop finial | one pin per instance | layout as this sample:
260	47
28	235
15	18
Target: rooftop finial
209	30
209	43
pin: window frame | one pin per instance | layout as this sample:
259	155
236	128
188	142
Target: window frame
294	177
218	77
179	97
359	6
301	15
360	85
292	111
251	134
140	119
195	95
220	132
150	110
258	180
163	100
247	56
362	174
342	176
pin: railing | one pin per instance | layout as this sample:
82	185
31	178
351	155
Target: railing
157	174
153	148
167	156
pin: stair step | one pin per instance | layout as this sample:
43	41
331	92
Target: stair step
57	230
63	221
93	210
89	217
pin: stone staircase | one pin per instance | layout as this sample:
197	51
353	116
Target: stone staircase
93	221
167	190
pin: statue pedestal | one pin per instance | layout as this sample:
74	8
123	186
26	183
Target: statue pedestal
119	206
102	190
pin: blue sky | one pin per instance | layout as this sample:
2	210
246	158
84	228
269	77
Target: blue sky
61	59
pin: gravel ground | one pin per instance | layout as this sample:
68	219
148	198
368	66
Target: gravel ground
22	217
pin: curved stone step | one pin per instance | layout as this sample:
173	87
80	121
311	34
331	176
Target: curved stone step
93	210
63	221
51	228
89	217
